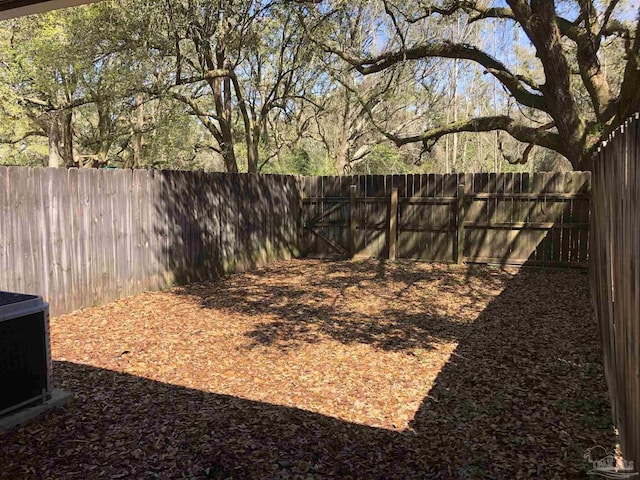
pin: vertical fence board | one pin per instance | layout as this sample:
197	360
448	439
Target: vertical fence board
34	211
89	236
67	245
19	242
404	236
510	218
5	218
448	219
614	246
84	237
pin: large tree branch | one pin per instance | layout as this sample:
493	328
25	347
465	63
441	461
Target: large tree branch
538	20
37	101
20	138
532	135
629	99
524	133
445	49
444	11
478	12
206	76
587	40
204	117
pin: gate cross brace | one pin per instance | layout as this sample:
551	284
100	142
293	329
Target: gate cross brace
312	223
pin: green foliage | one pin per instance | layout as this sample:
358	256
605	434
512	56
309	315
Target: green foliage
382	159
301	162
75	79
308	161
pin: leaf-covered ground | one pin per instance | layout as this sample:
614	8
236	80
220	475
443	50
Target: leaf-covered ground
314	370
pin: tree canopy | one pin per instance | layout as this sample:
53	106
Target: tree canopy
571	103
318	87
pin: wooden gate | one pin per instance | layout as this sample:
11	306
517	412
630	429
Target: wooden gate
486	218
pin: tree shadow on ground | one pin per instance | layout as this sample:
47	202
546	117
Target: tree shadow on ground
525	383
522	396
525	386
397	306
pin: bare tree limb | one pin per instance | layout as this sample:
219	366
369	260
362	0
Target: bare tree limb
208	75
587	41
445	49
607	15
516	159
20	138
521	132
389	12
204	117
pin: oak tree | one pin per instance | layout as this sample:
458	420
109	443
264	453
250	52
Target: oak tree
568	40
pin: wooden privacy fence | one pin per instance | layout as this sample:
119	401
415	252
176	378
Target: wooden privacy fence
538	219
84	237
615	276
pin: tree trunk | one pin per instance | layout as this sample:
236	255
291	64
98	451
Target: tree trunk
137	133
227	150
67	138
228	156
342	152
454	152
253	155
54	141
102	154
105	130
221	90
54	153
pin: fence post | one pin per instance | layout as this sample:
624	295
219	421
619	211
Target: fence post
302	248
393	223
352	221
460	221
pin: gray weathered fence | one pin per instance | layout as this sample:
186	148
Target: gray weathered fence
83	237
615	276
539	219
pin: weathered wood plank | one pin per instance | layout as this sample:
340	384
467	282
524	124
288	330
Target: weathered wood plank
20	248
460	226
37	283
614	246
67	244
5	218
123	232
449	189
532	196
393	223
526	225
353	220
556	212
426	245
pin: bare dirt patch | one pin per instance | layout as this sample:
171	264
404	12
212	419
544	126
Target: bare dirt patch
311	369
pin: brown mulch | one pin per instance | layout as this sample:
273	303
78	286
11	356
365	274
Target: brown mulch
314	370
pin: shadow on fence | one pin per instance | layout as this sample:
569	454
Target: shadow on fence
542	220
537	219
615	275
85	237
210	224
